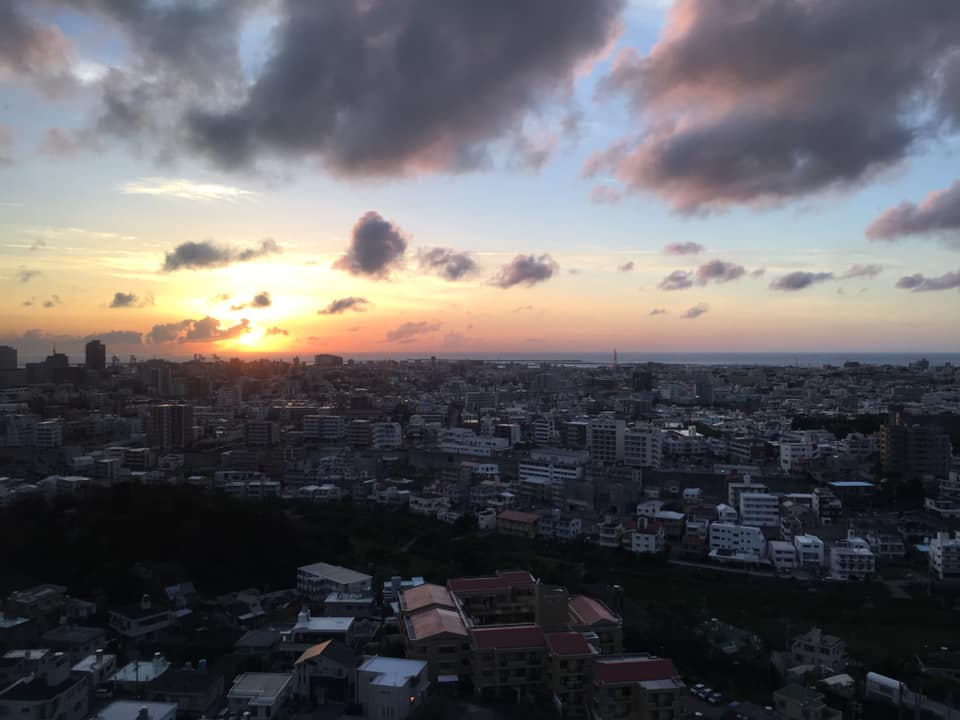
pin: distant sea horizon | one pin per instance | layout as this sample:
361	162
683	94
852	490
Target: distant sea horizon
591	359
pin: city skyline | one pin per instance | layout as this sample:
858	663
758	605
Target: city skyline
179	179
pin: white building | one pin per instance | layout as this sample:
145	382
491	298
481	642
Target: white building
648	540
945	556
554	470
138	710
606	437
759	509
428	505
49	692
463	441
783	555
809	551
643	447
318	580
487	519
852	559
544	430
142	620
558	526
263	695
391	688
649	508
741	540
819	649
735	489
386	435
727	514
49	433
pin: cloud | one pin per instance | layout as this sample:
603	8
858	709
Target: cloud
185	189
376	248
719	271
937	214
658	311
277	331
37	54
859	270
410	330
403	87
523	308
757	102
677	280
526	270
627	266
116	337
799	280
341	305
123	300
684	248
204	330
207	254
37	342
52	302
919	283
447	263
696	311
37	244
6	144
57	143
25	275
261	300
758	272
605	195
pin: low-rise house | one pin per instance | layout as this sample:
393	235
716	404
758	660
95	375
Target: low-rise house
76	640
312	630
323	671
318	580
392	687
133	677
783	555
144	620
809	551
559	526
53	692
137	710
647	539
795	702
852	559
518	524
819	649
945	556
263	695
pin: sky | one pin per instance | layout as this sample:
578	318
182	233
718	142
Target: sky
404	176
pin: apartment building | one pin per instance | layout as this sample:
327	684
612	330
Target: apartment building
737	541
318	580
509	596
735	489
759	509
51	691
143	620
518	524
324	428
783	555
643	447
592	617
852	559
560	526
569	665
386	435
463	441
795	702
509	662
809	551
636	687
606	438
433	630
945	556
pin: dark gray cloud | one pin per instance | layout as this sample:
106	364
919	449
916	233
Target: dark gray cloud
677	280
207	254
376	248
6	146
341	305
526	270
123	300
658	311
761	101
116	337
277	331
410	330
684	248
523	308
25	275
938	214
398	87
37	342
799	280
57	143
758	272
261	300
628	266
52	302
862	271
31	52
920	283
204	330
695	312
450	264
719	271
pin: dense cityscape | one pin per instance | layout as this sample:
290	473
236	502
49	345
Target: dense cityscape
565	491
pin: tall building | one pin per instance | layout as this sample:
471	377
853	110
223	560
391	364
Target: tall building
171	426
8	358
96	355
912	449
606	439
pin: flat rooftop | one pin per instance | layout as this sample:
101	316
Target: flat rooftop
260	688
335	573
130	710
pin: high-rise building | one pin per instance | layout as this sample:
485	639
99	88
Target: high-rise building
8	358
913	448
171	426
96	355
